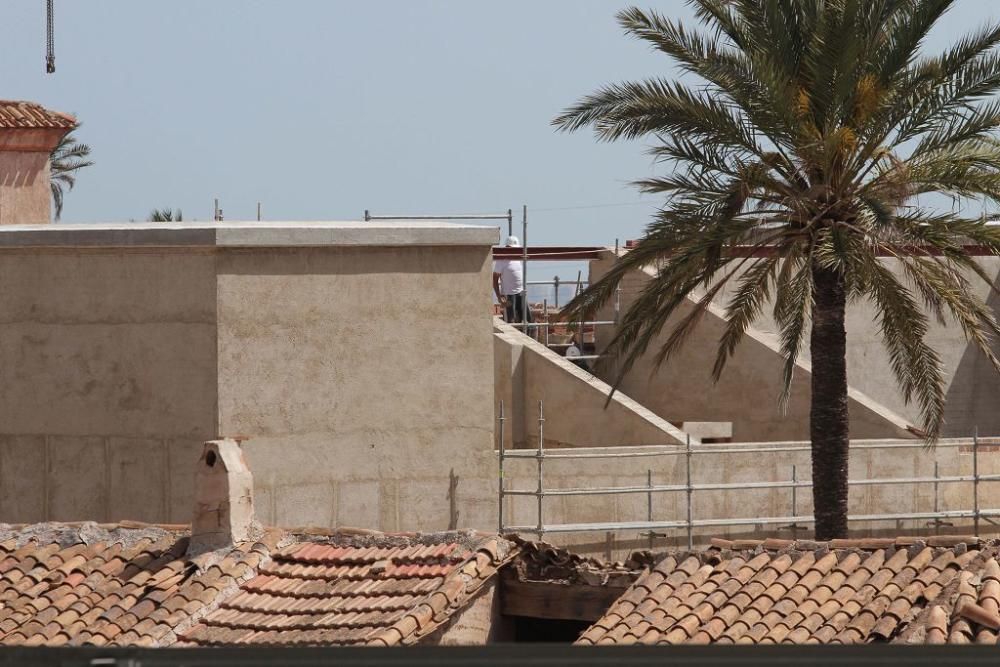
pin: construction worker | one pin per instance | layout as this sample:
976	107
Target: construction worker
508	285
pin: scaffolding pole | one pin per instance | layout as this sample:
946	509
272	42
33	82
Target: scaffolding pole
541	456
975	478
524	264
500	476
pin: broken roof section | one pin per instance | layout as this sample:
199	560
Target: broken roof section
843	592
137	585
16	114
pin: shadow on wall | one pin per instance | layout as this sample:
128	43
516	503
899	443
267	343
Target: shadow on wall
974	389
23	172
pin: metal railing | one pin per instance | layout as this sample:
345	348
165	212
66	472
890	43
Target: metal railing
579	326
689	488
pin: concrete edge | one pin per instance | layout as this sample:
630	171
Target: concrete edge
248	234
514	336
770	341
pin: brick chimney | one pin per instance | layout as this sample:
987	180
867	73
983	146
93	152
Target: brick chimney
223	510
28	133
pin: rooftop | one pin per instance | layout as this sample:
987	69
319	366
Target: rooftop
247	234
912	590
16	114
137	585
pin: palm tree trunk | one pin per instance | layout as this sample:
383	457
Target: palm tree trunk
828	419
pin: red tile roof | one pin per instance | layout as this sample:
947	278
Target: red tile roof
29	115
844	592
393	592
136	585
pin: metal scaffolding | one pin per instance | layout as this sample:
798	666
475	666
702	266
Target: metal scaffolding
690	487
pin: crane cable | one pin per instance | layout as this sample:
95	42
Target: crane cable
50	52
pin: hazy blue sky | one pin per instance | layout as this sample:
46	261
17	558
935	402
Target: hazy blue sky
321	109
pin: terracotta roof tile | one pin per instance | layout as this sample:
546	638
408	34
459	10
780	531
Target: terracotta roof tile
136	585
945	590
352	592
29	115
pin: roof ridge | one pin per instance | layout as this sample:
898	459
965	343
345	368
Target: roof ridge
863	543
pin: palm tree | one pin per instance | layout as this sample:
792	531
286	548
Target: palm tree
68	157
797	155
166	215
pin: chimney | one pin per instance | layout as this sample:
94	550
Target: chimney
28	133
223	511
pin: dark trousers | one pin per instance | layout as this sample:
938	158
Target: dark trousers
515	308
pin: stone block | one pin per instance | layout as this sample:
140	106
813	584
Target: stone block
138	479
78	471
22	479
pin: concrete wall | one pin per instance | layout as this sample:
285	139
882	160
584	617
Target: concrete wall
362	376
575	403
355	359
107	360
682	390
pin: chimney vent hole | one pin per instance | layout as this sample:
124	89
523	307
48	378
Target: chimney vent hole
210	458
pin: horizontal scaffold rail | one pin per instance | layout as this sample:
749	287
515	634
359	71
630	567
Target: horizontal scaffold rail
690	487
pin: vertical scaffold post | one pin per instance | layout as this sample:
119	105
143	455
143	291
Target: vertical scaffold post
510	222
556	281
524	269
937	509
690	493
545	316
649	505
795	502
539	457
500	474
579	340
975	479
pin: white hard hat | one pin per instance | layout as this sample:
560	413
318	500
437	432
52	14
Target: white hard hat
513	242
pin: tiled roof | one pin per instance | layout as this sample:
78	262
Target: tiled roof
392	592
932	590
89	584
29	115
136	585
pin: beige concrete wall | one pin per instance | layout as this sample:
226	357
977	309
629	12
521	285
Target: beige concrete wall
108	363
683	389
24	188
575	402
355	359
364	380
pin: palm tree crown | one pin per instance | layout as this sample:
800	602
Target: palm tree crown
796	160
166	215
68	157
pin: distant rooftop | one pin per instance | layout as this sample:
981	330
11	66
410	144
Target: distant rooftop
29	115
247	234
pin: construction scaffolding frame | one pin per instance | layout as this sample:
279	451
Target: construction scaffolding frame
689	488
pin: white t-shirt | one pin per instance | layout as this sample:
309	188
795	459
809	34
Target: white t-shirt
511	276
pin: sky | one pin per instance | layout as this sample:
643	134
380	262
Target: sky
321	109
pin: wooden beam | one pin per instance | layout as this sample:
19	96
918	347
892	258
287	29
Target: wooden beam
555	600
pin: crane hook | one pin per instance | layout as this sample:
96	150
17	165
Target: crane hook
50	53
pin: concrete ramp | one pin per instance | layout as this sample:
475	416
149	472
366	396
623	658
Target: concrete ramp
576	408
682	390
